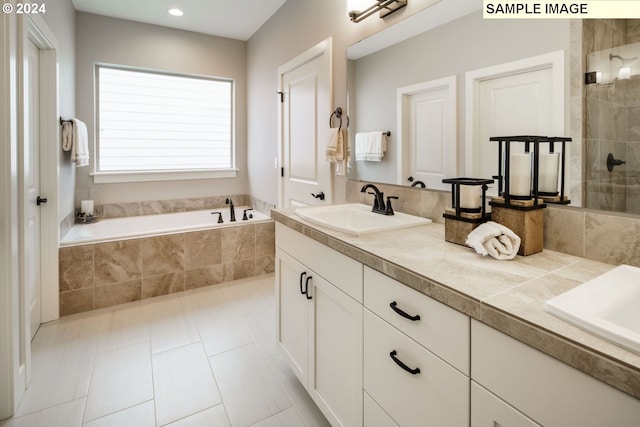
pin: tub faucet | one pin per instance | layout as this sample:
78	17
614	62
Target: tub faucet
378	202
232	210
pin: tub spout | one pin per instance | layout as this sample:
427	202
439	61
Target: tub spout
232	210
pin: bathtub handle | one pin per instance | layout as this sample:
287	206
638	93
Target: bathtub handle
220	221
244	214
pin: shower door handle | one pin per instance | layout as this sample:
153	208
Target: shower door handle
40	200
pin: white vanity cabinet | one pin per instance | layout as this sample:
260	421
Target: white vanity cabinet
319	323
526	385
416	356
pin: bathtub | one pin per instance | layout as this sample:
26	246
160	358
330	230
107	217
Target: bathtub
120	260
113	229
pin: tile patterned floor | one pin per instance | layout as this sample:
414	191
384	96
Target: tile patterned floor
205	357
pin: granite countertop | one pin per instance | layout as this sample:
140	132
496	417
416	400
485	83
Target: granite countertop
506	295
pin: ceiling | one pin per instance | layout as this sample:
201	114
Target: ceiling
235	19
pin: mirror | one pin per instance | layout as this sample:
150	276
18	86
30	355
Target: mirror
407	54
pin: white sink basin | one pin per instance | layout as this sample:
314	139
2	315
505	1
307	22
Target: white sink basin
357	219
608	306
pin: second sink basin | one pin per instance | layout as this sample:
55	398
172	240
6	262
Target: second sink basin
357	219
608	306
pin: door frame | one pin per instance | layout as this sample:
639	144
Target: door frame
553	60
324	50
35	29
16	31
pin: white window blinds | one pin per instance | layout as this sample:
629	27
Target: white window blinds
159	122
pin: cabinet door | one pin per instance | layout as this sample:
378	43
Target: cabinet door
336	379
374	416
292	313
487	410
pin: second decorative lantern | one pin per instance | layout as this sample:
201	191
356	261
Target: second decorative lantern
527	179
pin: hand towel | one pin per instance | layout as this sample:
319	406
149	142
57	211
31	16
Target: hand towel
494	239
75	138
336	147
371	146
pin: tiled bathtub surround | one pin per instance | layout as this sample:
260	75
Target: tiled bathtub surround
152	207
105	274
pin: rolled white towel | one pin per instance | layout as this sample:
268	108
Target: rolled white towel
494	239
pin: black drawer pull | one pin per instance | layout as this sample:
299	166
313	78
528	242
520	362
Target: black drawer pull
394	307
304	273
400	363
306	287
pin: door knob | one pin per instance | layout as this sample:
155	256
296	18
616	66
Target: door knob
40	200
320	195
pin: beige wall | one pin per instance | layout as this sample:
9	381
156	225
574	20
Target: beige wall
61	21
297	26
117	41
464	45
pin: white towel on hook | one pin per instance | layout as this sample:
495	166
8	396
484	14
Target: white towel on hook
371	146
494	239
75	138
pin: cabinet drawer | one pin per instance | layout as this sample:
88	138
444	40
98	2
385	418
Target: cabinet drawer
441	329
548	391
342	271
487	410
438	395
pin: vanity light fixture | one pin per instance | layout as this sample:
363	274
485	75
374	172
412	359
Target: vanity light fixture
359	10
176	12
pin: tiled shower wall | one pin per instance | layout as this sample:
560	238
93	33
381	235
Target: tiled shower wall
105	274
612	112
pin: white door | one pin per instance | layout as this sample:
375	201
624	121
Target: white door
31	188
305	88
512	105
520	98
428	132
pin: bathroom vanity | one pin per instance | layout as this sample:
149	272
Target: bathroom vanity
401	328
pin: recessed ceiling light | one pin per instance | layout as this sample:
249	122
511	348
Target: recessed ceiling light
176	12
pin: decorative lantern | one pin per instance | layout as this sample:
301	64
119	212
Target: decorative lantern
468	207
526	181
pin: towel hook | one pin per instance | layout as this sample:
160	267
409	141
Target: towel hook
338	113
63	121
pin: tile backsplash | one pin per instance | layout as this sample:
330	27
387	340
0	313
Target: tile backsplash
601	236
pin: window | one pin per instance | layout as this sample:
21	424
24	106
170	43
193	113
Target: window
155	125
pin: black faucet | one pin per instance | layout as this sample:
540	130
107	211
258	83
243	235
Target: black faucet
232	210
418	184
378	202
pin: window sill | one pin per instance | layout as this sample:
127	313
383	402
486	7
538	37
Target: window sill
115	177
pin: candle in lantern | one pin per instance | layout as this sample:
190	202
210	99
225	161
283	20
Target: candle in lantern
520	174
470	196
548	173
86	206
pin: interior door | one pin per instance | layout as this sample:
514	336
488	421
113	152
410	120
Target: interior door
428	133
305	95
31	188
